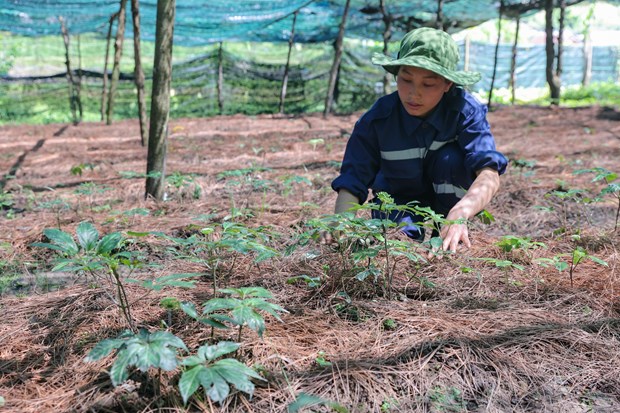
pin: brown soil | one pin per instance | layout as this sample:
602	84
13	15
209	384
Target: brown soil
461	333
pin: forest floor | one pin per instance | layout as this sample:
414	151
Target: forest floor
496	328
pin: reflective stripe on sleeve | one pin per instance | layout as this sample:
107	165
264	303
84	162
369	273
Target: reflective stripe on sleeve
449	189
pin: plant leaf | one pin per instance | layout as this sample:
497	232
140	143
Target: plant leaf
217	388
103	348
125	358
63	240
217	350
190	381
87	235
108	243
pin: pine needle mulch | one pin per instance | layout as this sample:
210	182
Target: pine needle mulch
459	335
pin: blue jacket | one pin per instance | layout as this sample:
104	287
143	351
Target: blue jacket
387	148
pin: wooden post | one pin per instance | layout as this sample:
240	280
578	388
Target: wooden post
329	99
291	39
499	36
513	62
220	78
138	72
118	52
104	89
160	100
587	56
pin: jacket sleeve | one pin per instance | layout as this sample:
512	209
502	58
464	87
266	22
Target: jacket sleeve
476	140
361	161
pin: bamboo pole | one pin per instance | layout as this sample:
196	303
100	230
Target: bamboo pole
220	78
513	62
69	75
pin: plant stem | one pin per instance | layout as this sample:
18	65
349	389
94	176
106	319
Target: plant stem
123	300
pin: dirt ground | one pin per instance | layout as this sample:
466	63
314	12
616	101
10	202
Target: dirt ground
462	334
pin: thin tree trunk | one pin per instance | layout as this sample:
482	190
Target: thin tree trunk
104	89
552	79
499	36
466	58
78	84
291	39
118	52
587	56
333	74
387	35
513	62
439	21
559	63
220	78
138	72
70	79
160	100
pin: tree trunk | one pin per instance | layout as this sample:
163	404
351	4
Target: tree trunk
118	52
587	56
160	100
104	89
70	80
513	62
439	21
552	79
333	74
291	39
499	36
387	35
78	84
220	78
138	72
558	67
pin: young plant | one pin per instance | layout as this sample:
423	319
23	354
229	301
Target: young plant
142	350
182	183
570	261
245	305
612	188
216	376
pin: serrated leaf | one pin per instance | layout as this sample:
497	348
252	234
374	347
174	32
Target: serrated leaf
190	381
217	350
87	235
219	389
217	304
234	375
62	240
109	242
125	358
103	348
247	316
189	309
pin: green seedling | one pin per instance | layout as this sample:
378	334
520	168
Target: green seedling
304	400
170	304
612	188
182	183
216	376
242	307
321	359
142	350
80	168
570	261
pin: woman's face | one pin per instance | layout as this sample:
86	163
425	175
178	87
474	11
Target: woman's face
420	90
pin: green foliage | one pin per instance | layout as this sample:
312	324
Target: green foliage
216	376
143	350
304	400
182	183
80	168
508	243
244	305
612	188
446	399
570	260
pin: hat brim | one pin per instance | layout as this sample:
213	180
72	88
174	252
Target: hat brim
459	77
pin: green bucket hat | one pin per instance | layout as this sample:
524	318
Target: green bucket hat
429	49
